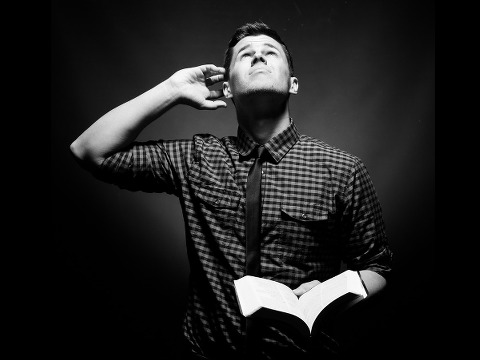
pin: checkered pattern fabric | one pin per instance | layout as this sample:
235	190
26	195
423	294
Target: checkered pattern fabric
319	207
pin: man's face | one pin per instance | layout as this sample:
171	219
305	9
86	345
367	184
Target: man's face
259	64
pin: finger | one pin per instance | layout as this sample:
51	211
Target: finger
215	94
214	79
210	70
302	289
213	105
299	291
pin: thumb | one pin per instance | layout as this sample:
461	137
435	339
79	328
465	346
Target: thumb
303	288
215	104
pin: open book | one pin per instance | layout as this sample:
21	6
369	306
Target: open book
266	298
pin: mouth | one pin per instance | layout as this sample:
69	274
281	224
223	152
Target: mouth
258	70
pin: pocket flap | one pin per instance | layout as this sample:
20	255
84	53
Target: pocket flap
216	196
305	213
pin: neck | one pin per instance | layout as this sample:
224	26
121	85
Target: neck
262	120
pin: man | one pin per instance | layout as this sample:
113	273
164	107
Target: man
318	209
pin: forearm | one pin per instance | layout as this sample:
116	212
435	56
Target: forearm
373	281
121	125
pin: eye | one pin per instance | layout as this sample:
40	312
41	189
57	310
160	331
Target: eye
272	53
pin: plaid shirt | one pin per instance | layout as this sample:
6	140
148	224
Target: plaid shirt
319	208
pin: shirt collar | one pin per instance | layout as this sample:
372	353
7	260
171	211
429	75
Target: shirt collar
277	146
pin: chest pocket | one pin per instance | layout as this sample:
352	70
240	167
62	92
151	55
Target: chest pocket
307	233
217	204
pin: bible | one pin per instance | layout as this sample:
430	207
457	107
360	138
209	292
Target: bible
258	297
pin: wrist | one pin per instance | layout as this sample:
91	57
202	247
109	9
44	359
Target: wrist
171	92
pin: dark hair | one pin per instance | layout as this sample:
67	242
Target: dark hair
252	29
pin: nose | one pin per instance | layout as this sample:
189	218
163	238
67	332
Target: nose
258	57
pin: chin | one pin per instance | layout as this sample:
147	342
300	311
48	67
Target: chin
265	90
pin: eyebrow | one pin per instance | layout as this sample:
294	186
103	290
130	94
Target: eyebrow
249	44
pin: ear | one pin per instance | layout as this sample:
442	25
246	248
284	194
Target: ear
293	85
226	90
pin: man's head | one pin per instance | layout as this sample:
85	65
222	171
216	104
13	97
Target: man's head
252	29
256	60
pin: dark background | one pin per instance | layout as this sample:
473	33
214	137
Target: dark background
367	85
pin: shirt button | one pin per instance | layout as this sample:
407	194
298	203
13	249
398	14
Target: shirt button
217	201
304	216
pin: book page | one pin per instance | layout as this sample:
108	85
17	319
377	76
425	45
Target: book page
272	295
246	298
315	300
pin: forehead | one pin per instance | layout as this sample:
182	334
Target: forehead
256	40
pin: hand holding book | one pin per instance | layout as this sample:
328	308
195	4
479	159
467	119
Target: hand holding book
302	289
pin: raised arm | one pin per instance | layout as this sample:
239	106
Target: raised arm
121	125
